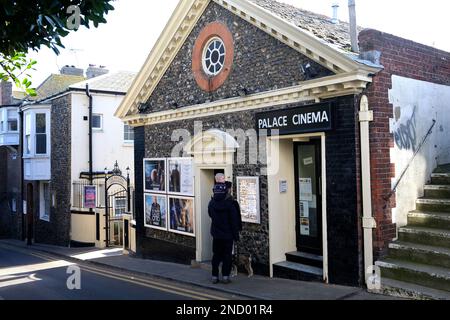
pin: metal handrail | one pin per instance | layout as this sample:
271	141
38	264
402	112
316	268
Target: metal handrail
411	161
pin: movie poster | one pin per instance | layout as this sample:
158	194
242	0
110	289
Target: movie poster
155	175
181	215
155	211
181	176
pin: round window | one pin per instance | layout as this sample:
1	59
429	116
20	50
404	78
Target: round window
214	56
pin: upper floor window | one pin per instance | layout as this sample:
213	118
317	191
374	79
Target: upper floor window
27	134
36	133
12	121
97	122
128	135
41	133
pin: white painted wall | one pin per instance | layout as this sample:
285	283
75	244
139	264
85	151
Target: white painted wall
108	143
416	104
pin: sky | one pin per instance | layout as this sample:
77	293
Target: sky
135	25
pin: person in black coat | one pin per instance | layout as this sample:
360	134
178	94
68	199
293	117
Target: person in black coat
224	230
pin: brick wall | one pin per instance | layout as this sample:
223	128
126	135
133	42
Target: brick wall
407	59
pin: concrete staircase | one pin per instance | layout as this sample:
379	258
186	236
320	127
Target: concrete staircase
418	264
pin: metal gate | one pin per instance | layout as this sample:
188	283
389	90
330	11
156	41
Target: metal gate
117	203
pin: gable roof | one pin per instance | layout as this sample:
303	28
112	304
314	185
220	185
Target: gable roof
282	25
116	82
318	25
54	84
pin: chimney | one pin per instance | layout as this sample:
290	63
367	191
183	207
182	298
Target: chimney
335	19
353	26
5	93
94	71
72	71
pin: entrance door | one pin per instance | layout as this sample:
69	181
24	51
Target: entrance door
307	157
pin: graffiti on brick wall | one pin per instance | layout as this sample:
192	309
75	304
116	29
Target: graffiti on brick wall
405	135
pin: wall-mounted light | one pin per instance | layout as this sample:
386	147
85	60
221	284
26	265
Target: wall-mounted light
308	70
143	107
242	91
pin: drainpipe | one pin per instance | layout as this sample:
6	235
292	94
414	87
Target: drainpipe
90	134
369	223
20	150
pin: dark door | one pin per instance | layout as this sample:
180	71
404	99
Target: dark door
126	234
30	211
308	179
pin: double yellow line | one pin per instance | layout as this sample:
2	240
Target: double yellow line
144	282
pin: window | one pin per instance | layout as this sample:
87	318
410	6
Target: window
44	211
97	122
128	133
120	206
214	57
12	121
41	134
27	134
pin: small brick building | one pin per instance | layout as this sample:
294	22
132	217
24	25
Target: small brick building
272	96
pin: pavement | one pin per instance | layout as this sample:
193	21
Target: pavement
257	287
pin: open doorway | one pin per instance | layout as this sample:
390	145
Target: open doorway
207	181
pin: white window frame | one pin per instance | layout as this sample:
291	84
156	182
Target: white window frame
16	117
124	132
36	134
101	122
32	133
43	215
115	205
205	53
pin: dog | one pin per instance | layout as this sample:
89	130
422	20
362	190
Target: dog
242	260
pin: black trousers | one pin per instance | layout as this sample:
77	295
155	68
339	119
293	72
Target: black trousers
222	252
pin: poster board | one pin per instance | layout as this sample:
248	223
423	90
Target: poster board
155	175
180	178
155	211
182	215
89	197
248	198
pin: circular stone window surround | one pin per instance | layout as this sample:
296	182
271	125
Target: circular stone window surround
210	74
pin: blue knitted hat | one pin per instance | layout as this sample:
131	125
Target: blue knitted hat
220	188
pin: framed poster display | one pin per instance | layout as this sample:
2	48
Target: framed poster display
89	197
248	198
180	178
155	211
155	175
181	215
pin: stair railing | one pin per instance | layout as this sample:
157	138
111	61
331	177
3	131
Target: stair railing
397	183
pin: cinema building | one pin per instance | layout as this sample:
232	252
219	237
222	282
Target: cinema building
272	96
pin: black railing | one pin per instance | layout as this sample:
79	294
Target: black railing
422	143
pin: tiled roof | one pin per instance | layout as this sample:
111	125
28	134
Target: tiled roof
112	82
336	35
54	84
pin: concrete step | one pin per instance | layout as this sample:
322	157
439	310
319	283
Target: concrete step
305	258
426	236
423	275
410	290
437	191
297	271
439	220
440	178
434	205
436	256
